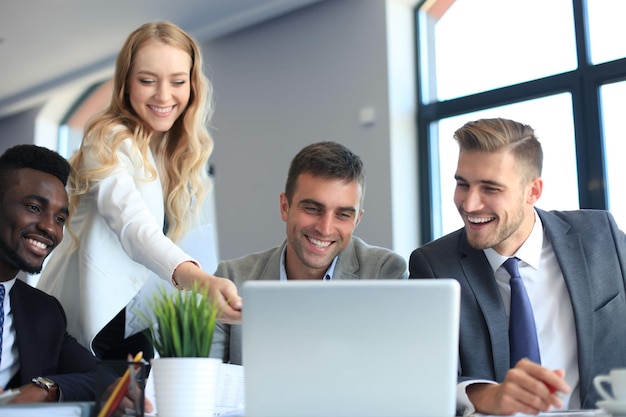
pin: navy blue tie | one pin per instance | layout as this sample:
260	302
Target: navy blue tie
522	330
1	316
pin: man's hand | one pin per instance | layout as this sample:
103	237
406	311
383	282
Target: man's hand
30	393
528	388
224	292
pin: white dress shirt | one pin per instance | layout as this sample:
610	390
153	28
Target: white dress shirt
9	362
283	271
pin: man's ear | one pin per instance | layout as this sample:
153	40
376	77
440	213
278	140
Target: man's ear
536	189
358	217
284	206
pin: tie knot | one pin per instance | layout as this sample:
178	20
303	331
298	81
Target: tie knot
511	267
1	291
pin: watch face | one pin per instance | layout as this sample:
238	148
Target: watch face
44	382
50	386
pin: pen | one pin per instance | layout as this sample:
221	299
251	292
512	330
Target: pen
118	392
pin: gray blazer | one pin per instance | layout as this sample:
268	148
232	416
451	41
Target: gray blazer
357	261
591	252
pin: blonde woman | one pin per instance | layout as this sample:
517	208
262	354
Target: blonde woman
137	182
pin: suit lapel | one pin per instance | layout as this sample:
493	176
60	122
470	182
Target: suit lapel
272	266
482	282
570	255
26	338
346	267
347	263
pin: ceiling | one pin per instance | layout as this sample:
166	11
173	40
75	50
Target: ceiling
46	45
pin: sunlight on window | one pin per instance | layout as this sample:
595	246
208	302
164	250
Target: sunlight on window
613	102
516	40
474	46
606	29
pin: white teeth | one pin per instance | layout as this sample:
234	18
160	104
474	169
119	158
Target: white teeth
37	243
320	244
162	109
480	219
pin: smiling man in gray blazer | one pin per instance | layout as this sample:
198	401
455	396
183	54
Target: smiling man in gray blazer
572	264
321	206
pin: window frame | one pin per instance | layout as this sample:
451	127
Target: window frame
583	84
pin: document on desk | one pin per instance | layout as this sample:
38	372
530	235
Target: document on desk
230	395
564	413
69	409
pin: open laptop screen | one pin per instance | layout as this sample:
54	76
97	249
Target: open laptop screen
380	348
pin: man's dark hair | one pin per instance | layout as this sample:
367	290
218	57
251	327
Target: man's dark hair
34	157
328	160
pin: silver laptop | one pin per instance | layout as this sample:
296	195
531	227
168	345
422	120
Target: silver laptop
379	348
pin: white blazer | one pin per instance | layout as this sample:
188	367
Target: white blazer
119	227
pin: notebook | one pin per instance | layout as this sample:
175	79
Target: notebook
379	348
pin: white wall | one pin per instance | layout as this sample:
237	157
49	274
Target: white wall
18	128
301	78
298	79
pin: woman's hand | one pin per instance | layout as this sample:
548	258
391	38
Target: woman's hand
222	290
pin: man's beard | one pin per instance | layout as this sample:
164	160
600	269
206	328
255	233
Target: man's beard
14	258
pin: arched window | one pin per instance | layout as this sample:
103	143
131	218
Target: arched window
92	101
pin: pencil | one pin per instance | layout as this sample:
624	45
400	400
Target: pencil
119	391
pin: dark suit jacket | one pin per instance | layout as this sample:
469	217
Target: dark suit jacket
591	252
46	349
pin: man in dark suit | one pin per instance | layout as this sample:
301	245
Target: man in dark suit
38	356
572	264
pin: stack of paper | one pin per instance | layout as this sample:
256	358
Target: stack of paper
47	409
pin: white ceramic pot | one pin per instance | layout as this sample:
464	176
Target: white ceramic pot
185	386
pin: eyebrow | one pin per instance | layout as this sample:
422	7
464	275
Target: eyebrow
488	182
176	74
318	204
45	202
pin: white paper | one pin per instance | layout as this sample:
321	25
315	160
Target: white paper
45	409
560	413
230	396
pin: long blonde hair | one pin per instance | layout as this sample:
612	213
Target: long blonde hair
182	156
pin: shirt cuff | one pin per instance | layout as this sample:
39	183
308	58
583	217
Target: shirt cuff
463	402
173	280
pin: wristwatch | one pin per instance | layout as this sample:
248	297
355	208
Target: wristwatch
49	385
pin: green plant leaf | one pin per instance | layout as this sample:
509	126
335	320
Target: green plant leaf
185	322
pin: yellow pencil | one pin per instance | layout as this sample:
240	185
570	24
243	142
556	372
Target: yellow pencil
122	383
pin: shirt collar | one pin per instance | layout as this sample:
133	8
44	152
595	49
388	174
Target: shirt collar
529	252
283	271
8	285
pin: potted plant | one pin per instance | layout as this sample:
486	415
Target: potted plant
185	378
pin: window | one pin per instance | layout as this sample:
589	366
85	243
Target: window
477	51
553	64
613	103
